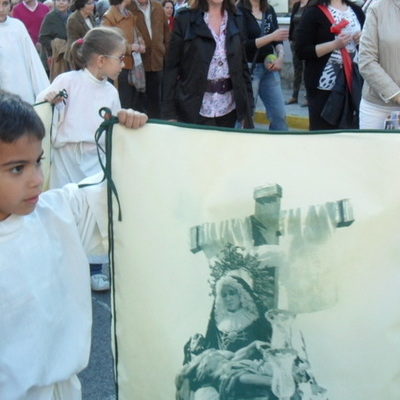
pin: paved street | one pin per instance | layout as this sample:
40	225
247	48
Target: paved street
98	379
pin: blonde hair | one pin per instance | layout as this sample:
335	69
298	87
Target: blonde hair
101	40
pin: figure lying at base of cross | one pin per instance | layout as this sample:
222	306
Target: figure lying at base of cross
249	373
246	268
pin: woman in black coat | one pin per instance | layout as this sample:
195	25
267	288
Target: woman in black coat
320	48
206	78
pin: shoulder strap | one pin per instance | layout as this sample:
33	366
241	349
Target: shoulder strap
325	10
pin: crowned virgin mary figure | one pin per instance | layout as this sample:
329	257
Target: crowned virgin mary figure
237	316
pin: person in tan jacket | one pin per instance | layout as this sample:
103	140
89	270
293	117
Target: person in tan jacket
379	61
120	17
152	23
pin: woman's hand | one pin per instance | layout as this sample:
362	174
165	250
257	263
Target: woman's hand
131	118
274	65
280	35
138	48
342	40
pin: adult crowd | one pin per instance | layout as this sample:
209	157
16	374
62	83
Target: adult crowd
207	61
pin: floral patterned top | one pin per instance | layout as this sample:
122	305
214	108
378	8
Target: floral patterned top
216	104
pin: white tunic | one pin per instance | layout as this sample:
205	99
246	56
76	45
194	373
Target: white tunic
80	117
21	71
74	150
45	297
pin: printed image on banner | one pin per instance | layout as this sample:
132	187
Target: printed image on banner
257	267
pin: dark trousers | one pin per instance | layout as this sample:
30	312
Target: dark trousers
316	102
150	101
226	121
128	94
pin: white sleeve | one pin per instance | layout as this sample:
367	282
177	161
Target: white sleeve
89	207
38	75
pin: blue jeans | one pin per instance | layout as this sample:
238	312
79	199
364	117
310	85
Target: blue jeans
267	85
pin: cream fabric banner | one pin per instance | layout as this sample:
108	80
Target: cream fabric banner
256	266
44	111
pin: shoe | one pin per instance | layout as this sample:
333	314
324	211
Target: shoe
99	282
305	104
292	100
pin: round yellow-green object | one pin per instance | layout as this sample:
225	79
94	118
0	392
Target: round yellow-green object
270	58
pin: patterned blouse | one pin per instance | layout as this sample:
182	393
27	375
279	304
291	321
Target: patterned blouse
215	104
334	64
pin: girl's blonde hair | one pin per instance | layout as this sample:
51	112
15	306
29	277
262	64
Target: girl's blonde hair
101	40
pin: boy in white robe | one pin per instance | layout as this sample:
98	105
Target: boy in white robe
45	297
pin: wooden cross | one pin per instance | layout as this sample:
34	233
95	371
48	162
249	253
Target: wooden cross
266	221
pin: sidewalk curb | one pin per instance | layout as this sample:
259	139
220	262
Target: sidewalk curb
293	121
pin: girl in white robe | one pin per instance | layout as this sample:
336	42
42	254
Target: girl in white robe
74	155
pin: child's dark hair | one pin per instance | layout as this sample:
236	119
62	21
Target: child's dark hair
18	118
101	41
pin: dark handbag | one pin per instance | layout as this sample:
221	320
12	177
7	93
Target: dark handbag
342	107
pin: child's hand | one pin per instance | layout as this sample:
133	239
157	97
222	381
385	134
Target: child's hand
131	118
53	97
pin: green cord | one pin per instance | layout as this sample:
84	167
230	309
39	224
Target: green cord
106	127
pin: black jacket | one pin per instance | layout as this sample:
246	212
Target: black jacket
189	55
252	31
313	29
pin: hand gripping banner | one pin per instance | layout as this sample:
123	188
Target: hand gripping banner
255	266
